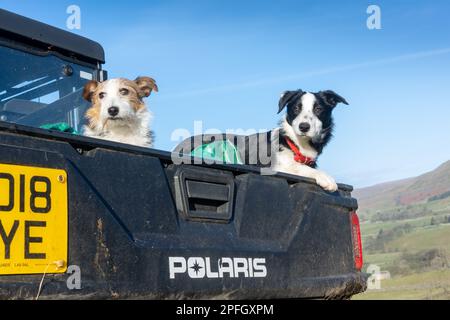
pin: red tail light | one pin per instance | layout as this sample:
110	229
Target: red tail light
356	239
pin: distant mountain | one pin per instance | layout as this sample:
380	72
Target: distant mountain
406	192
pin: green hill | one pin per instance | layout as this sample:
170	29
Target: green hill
406	232
434	185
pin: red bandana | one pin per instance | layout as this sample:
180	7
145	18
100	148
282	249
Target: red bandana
298	156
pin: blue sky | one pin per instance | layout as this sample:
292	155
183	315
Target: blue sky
226	63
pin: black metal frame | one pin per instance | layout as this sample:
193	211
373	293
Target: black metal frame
49	39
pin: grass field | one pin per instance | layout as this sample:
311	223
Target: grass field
405	228
424	238
433	285
418	282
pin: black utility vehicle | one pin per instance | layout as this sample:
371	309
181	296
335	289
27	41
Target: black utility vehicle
96	219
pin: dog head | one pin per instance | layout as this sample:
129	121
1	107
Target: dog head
117	100
310	114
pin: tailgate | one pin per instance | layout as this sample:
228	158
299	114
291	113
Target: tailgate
127	222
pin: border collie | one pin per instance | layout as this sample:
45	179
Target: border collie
304	132
118	112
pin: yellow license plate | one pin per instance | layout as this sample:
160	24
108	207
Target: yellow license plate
33	220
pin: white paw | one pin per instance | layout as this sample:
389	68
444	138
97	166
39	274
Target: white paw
326	182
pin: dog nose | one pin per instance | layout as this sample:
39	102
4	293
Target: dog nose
304	127
113	111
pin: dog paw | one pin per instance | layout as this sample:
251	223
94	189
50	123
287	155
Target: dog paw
326	182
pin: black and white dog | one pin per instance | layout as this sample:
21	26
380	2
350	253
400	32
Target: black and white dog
304	132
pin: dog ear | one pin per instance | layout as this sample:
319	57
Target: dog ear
332	98
146	85
89	89
286	97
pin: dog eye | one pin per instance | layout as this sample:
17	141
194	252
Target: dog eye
101	95
124	91
318	108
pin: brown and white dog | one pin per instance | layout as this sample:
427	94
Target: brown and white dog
118	112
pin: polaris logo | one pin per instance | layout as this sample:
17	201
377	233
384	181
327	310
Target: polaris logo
201	267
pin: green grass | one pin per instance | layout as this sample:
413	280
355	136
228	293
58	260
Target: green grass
418	256
426	285
440	205
407	283
372	228
423	238
383	260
